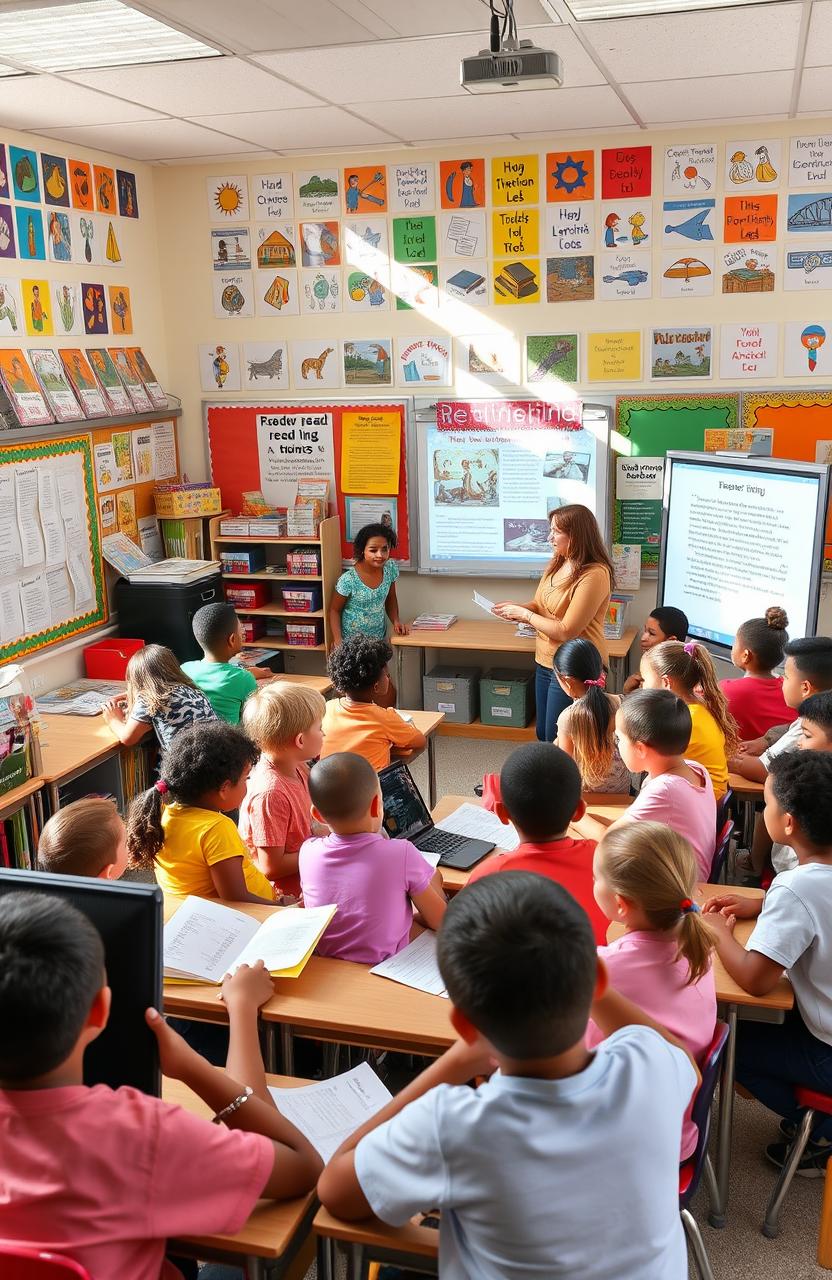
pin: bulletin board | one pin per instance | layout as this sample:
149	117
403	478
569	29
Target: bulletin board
646	427
143	453
361	446
51	580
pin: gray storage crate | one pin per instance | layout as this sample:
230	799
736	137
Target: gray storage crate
454	690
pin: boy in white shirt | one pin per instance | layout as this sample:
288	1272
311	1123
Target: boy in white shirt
793	934
521	1167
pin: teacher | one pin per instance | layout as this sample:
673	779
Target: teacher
571	600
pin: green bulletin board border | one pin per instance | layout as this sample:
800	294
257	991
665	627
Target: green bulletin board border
53	449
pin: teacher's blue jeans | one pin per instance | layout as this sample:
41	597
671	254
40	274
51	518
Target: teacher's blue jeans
551	700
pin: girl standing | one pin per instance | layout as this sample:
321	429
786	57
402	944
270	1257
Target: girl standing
365	596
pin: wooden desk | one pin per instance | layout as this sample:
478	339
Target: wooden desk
748	794
428	722
322	684
277	1229
411	1246
71	745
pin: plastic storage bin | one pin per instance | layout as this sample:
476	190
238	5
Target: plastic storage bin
242	560
248	595
304	635
454	690
253	629
303	562
108	659
301	599
506	697
162	613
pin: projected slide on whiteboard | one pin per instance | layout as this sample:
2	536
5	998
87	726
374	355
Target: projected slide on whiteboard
740	535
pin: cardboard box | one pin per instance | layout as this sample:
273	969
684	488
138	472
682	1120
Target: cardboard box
506	697
454	690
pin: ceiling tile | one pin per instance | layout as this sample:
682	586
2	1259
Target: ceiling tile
395	70
702	43
712	98
196	88
816	88
435	119
245	25
312	127
41	102
233	158
436	17
819	42
159	140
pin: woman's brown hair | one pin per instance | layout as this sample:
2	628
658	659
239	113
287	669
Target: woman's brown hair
151	674
691	666
586	546
655	868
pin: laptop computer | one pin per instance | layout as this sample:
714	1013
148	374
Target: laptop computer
407	817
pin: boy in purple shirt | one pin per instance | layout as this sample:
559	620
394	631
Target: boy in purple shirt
375	882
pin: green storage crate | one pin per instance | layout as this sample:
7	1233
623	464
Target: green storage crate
452	690
506	697
14	770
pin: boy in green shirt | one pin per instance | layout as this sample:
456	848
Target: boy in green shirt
220	636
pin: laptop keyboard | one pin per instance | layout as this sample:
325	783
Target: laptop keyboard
441	842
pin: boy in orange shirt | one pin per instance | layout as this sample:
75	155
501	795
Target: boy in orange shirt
354	721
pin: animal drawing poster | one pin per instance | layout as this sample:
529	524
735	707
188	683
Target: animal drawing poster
570	279
67	311
570	176
30	241
551	358
809	269
466	283
412	187
315	365
751	218
424	362
462	183
121	308
219	366
365	189
810	160
748	269
752	165
55	180
626	173
627	224
367	363
228	198
416	288
569	228
680	353
37	308
317	193
233	294
271	197
275	292
320	292
686	276
8	247
265	364
748	350
810	214
80	185
11	307
104	186
462	235
689	168
230	248
275	247
365	244
807	349
688	221
364	291
24	173
624	275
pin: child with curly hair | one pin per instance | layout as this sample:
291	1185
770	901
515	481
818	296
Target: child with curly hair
354	721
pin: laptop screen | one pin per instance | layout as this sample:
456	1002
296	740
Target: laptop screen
405	813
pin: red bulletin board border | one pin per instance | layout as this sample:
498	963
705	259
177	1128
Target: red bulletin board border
235	464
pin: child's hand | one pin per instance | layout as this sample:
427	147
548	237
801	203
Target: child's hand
632	683
721	926
114	709
733	904
465	1061
752	747
249	985
401	628
175	1054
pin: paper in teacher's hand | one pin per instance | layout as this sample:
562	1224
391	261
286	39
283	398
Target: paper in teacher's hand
483	602
328	1112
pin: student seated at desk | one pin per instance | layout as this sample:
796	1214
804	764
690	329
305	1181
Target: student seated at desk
218	633
645	879
566	1162
85	838
354	721
793	934
756	700
540	794
815	735
159	696
663	623
106	1175
376	882
653	727
179	829
586	728
688	671
284	721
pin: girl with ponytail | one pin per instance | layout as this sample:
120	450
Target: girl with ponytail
586	728
756	699
688	671
645	881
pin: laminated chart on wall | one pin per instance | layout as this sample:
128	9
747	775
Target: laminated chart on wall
646	427
360	447
51	581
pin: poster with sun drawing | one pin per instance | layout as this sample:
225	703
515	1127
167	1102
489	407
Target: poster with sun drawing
227	198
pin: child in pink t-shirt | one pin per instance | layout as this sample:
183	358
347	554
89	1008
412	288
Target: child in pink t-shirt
104	1175
284	720
645	881
375	882
652	728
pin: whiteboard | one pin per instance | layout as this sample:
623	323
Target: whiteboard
486	494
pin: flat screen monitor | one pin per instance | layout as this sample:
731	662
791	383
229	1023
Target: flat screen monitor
129	918
740	534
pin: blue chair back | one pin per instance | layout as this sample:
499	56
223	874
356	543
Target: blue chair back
723	844
701	1110
722	809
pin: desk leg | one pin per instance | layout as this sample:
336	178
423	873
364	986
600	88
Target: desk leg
326	1258
287	1050
432	769
356	1262
399	671
255	1268
725	1121
269	1033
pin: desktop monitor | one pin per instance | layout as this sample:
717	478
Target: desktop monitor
129	918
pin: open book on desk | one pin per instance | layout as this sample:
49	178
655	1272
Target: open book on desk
203	940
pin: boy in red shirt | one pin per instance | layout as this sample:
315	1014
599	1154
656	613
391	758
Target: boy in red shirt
540	793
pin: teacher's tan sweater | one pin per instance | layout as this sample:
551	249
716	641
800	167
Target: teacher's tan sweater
580	606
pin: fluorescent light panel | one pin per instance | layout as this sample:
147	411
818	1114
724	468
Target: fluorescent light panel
594	10
95	33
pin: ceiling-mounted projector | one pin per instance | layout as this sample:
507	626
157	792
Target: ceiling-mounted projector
524	67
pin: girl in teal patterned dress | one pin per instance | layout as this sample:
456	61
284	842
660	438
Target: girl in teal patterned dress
365	596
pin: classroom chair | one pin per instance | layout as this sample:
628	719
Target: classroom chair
19	1262
723	844
722	809
813	1102
690	1173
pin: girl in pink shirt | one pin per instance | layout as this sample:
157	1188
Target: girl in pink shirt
645	882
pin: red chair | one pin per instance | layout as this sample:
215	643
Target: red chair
813	1102
22	1262
691	1172
723	844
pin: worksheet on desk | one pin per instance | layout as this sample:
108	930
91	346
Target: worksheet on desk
480	824
415	966
328	1112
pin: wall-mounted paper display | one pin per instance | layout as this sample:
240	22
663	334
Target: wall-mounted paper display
467	284
689	168
30	241
412	187
462	235
626	173
275	293
315	365
365	189
365	292
808	269
462	183
492	359
67	311
748	270
5	182
750	219
11	307
516	280
104	187
570	175
55	180
515	180
8	247
228	198
688	221
424	361
570	279
265	364
810	214
121	309
112	252
233	294
416	288
515	232
272	199
748	350
88	244
569	228
753	165
810	160
318	193
807	349
367	362
231	248
219	366
624	275
80	185
319	244
320	291
687	277
681	353
414	239
627	224
128	200
276	247
365	245
614	357
59	236
551	358
23	164
37	309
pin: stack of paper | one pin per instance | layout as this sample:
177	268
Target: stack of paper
80	698
204	940
480	824
415	966
328	1112
433	621
175	571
